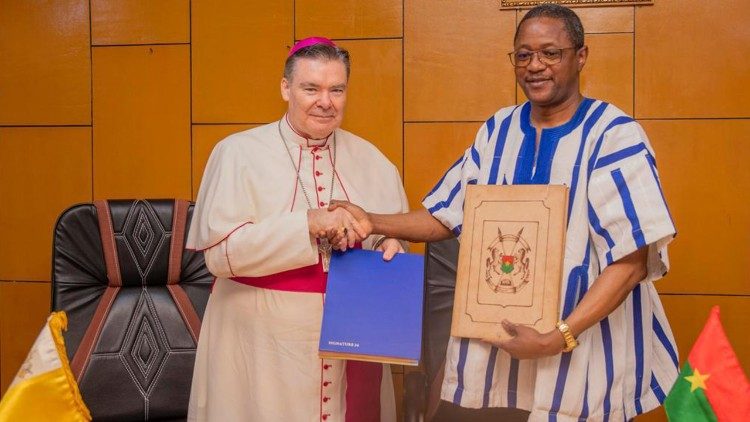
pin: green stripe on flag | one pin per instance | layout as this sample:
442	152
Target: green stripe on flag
682	405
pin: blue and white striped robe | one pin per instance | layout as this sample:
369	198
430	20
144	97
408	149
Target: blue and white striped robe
625	364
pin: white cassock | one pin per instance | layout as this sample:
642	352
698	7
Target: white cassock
257	356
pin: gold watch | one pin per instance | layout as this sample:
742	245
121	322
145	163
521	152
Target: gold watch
570	341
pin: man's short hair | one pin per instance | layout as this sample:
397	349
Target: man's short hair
572	22
317	51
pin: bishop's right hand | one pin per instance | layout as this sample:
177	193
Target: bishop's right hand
335	223
360	216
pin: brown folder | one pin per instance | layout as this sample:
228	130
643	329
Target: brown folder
510	260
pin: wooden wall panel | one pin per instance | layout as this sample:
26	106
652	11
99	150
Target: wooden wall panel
695	65
429	151
205	137
656	415
140	21
608	74
25	307
45	63
688	314
238	53
43	171
142	122
602	20
456	66
348	18
703	168
374	97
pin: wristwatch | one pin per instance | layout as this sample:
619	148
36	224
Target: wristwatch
570	341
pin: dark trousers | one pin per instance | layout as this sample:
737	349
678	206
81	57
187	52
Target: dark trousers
449	412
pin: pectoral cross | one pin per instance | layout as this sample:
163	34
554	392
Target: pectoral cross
325	254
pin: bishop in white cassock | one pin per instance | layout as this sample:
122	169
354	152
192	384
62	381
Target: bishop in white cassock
262	203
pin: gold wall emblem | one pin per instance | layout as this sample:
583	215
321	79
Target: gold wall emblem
517	4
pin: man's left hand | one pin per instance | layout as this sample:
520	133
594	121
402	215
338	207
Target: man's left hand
528	343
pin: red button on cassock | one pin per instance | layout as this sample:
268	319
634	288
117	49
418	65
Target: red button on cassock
320	188
318	173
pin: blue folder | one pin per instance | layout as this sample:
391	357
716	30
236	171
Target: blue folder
373	308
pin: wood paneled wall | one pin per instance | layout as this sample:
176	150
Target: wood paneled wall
113	99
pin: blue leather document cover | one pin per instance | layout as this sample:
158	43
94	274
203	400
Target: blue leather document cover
373	308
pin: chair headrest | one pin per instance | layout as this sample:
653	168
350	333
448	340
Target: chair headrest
142	240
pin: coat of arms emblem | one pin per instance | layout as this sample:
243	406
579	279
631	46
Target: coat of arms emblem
507	266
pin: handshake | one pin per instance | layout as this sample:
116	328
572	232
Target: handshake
343	224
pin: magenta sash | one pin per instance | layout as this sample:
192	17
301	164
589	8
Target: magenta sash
310	279
362	378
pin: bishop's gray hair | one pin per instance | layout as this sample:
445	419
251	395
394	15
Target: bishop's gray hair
317	51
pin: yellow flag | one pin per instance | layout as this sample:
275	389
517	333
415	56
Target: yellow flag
44	388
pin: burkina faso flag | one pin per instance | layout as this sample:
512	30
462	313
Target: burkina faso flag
711	385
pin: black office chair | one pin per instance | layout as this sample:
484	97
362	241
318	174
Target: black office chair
422	390
134	298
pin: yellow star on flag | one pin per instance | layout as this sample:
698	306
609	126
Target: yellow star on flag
697	380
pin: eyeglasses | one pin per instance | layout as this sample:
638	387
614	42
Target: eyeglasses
548	56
